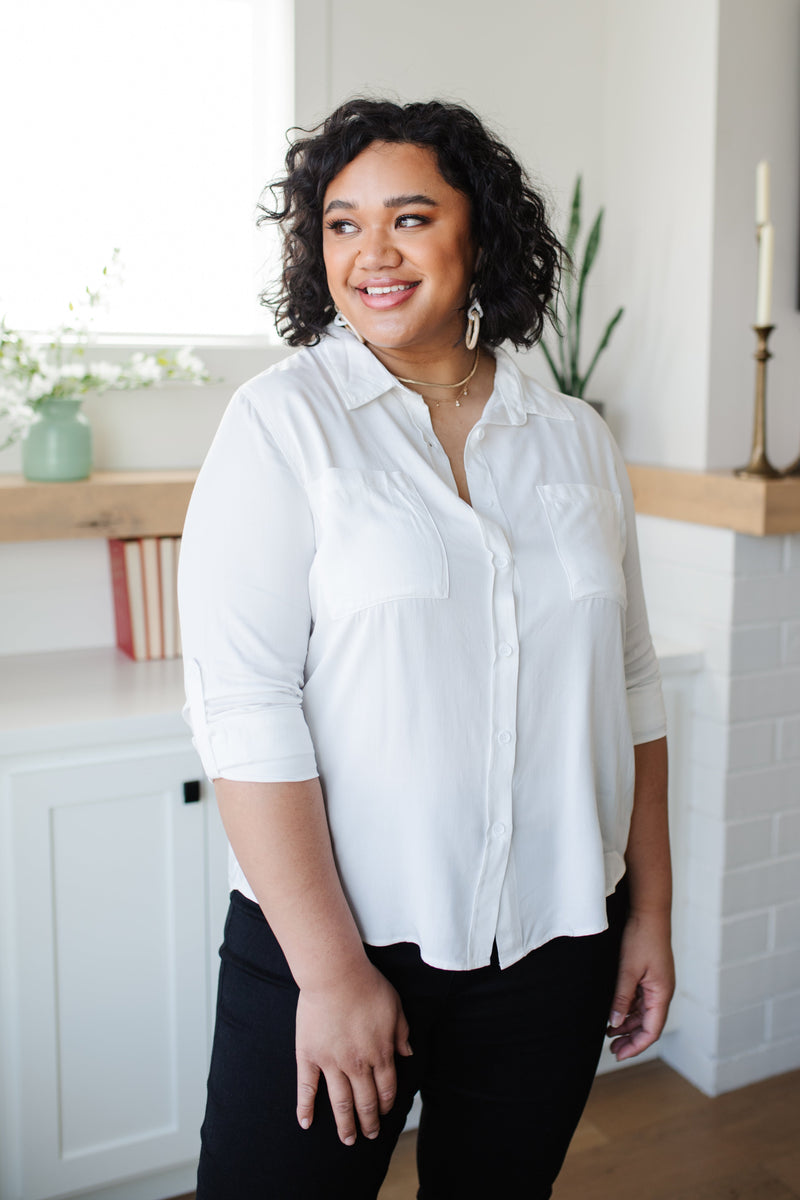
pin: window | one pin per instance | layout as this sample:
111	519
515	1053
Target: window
149	126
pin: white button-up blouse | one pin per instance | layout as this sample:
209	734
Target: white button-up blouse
467	681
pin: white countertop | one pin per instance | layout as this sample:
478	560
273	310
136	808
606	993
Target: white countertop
77	697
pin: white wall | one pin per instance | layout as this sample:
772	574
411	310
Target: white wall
658	138
758	117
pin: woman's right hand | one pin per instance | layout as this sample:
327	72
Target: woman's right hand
350	1032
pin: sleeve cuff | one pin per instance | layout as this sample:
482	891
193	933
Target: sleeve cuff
270	745
647	713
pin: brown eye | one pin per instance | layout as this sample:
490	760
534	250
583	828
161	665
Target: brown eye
340	226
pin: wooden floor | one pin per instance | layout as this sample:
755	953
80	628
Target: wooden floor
647	1134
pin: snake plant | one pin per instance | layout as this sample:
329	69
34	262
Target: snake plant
565	362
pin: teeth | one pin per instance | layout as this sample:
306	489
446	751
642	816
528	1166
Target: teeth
375	291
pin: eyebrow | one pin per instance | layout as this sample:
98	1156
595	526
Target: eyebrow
389	202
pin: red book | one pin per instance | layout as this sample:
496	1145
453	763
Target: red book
128	591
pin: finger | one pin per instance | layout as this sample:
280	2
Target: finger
624	998
341	1098
401	1038
638	1031
629	1025
365	1097
654	1016
307	1084
631	1044
386	1086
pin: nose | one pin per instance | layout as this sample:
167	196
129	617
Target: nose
378	250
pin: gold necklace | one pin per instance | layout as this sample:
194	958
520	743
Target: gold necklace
463	383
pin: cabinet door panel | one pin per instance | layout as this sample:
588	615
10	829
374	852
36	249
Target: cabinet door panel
110	895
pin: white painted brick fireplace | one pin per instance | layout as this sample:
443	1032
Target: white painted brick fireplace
737	1016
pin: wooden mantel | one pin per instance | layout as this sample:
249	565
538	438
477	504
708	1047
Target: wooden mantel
136	503
109	504
756	506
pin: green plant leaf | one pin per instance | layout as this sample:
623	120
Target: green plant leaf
575	218
592	245
569	245
589	255
551	364
563	345
610	327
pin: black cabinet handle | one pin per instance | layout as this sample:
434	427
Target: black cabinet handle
191	791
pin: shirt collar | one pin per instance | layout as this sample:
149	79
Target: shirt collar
362	378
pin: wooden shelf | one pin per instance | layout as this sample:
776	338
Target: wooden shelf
756	506
137	503
108	504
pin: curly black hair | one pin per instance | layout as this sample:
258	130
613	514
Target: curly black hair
518	274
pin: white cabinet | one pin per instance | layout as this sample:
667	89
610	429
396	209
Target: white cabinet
113	895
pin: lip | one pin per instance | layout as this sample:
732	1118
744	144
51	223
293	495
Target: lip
389	299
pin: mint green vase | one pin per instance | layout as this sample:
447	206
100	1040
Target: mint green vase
58	447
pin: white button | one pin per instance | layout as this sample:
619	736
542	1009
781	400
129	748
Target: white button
498	829
480	434
501	562
504	737
505	649
489	502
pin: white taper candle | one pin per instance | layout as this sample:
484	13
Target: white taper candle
766	257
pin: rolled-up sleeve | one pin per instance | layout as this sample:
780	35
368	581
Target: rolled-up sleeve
247	546
642	675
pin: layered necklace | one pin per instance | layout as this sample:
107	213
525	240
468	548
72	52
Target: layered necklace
462	383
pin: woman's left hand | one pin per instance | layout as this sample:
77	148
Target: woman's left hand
645	983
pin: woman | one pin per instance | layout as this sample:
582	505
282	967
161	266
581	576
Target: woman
419	672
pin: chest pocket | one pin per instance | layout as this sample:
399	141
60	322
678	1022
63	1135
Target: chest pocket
376	541
588	527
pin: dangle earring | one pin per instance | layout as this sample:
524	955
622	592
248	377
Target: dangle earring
341	319
474	314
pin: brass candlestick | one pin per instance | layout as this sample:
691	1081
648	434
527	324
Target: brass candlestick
759	466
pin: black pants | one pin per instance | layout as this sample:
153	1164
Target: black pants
504	1061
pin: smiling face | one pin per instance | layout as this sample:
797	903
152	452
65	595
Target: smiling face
398	249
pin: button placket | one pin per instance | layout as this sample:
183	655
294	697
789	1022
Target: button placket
502	755
481	489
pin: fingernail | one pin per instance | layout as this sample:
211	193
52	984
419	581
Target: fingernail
616	1018
351	1140
304	1124
373	1135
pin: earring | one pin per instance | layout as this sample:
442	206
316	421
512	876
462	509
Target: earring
341	319
474	314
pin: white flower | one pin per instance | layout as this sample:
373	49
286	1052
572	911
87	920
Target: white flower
107	373
43	383
188	361
146	370
18	414
73	371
